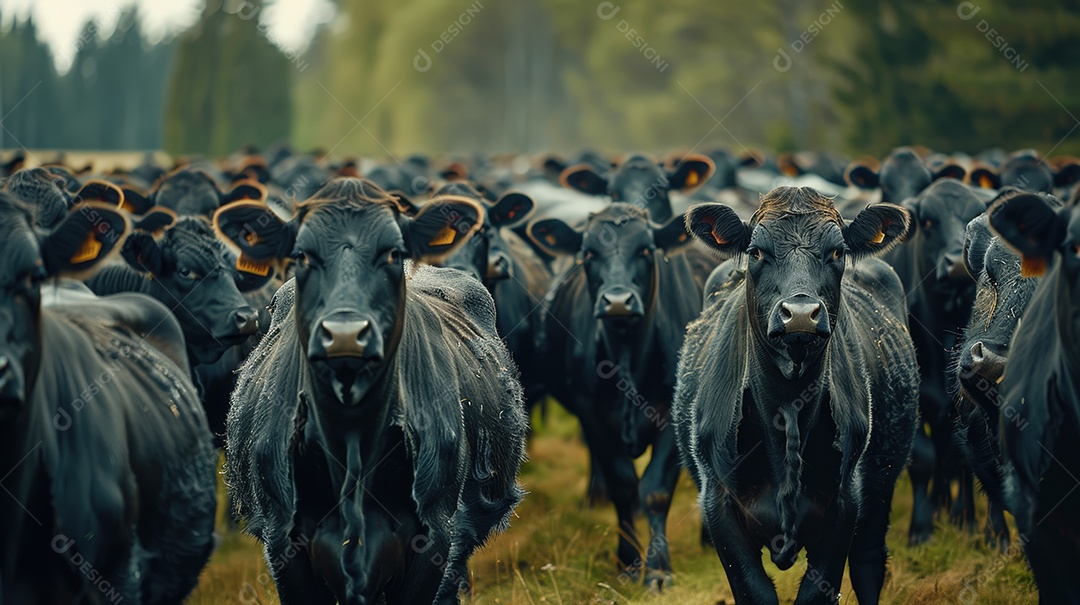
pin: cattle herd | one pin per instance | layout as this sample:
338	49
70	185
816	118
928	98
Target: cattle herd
365	341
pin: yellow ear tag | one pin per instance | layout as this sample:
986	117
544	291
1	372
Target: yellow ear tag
126	205
444	237
550	239
250	265
719	240
692	178
88	251
1032	267
986	182
880	237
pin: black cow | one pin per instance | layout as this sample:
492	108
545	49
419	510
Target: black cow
514	275
1042	447
110	485
193	273
642	182
380	422
902	175
1026	169
611	333
940	293
193	192
49	193
1002	295
797	399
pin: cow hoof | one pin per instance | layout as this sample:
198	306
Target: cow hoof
918	538
656	580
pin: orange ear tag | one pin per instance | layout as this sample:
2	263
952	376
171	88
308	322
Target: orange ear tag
88	251
692	178
250	265
1032	267
444	237
880	237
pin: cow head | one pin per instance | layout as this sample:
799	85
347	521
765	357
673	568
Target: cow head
192	192
618	250
1026	169
1002	295
77	245
486	254
349	243
641	182
797	248
193	273
940	215
49	192
1044	233
902	175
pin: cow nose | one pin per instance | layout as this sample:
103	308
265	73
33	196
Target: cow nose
498	267
247	321
800	316
618	304
343	338
953	266
985	362
9	383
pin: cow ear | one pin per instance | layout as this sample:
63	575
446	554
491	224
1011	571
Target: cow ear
877	229
553	165
441	226
158	218
87	236
950	171
511	210
555	237
672	235
254	229
751	159
985	177
977	238
245	190
456	171
143	253
861	175
719	228
1029	225
99	191
691	172
405	205
584	179
1068	173
135	201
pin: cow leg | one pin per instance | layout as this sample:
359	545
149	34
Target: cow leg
620	477
921	470
294	577
597	492
825	562
997	530
657	489
944	467
740	557
1052	554
962	513
868	553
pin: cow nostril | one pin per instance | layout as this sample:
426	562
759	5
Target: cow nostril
977	353
815	313
4	363
785	313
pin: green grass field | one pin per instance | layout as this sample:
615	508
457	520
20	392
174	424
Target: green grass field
559	551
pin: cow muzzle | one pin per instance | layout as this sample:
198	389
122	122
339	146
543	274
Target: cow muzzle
981	360
498	266
800	319
619	303
345	336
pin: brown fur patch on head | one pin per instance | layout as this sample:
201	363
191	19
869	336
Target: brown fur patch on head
785	202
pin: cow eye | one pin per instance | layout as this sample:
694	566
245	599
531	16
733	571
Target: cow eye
301	258
393	257
927	224
186	273
838	254
589	255
646	252
754	253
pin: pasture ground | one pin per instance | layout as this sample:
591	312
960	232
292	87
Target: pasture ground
559	551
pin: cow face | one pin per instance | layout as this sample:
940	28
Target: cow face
1044	235
641	182
1027	170
618	251
486	254
940	215
194	274
80	242
349	244
797	248
903	175
1001	297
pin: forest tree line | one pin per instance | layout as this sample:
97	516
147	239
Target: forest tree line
464	76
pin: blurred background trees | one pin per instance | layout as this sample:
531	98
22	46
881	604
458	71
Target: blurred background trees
463	76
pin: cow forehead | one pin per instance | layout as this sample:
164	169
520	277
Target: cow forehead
349	225
613	233
795	230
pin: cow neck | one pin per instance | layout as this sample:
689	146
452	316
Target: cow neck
632	346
